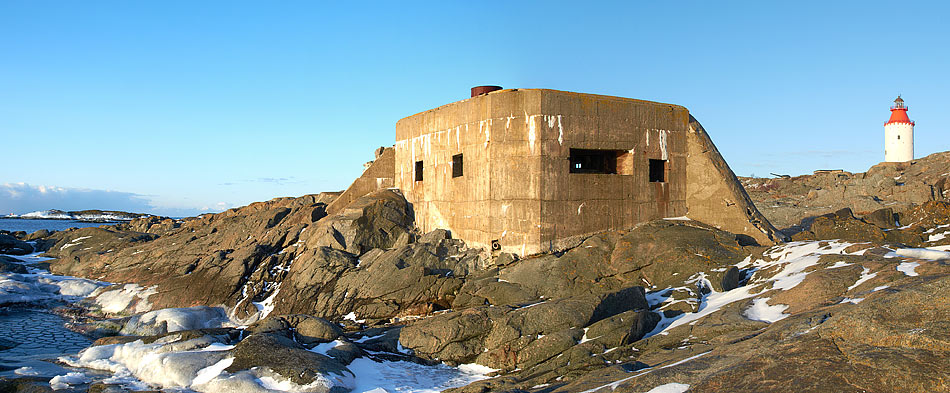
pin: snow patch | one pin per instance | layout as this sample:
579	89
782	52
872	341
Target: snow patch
60	382
120	300
762	311
265	307
372	376
190	364
615	384
170	320
325	347
670	388
908	268
865	275
923	253
42	286
352	317
27	371
791	260
839	264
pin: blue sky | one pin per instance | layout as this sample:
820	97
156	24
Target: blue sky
181	107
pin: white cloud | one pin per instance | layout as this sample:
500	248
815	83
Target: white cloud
20	198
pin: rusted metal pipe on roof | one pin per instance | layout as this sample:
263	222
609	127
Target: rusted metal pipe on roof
479	90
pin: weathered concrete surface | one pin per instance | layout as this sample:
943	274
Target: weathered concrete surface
516	186
378	176
714	194
517	190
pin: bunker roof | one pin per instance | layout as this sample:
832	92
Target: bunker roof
560	92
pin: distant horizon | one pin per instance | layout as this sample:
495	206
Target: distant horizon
179	109
7	215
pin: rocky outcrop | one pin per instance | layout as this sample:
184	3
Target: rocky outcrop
878	227
13	246
286	358
668	302
785	201
285	255
510	337
83	215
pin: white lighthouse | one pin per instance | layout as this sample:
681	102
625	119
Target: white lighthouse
898	134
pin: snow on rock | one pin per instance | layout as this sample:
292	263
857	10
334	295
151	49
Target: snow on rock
670	388
372	376
121	300
265	307
865	275
266	381
75	242
937	237
922	253
198	365
40	287
77	287
790	259
174	320
60	382
839	264
27	371
762	311
908	268
163	363
795	257
323	348
615	384
352	317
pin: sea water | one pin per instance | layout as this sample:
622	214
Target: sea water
31	336
30	226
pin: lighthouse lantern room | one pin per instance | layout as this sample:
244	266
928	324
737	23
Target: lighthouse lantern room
898	134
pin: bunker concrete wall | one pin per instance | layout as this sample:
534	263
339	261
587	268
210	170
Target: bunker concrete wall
575	205
378	176
714	194
497	197
517	187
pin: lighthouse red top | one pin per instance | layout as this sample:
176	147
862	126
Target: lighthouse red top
899	113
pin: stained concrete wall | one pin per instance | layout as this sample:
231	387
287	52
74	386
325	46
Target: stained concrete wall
496	198
516	186
575	205
714	194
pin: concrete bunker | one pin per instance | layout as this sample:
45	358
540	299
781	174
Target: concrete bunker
535	170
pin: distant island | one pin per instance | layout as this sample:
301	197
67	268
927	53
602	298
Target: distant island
81	215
